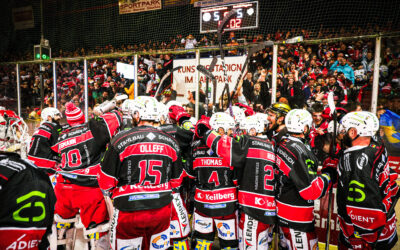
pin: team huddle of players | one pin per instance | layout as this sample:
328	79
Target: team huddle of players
143	175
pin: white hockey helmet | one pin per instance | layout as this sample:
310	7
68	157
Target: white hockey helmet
339	127
296	119
366	123
148	108
253	122
263	117
163	115
125	107
222	120
238	113
50	111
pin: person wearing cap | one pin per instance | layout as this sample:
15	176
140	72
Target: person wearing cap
81	147
367	190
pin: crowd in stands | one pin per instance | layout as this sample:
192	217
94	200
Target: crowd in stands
306	73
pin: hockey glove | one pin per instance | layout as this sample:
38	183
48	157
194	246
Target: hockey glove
202	126
178	114
329	167
248	112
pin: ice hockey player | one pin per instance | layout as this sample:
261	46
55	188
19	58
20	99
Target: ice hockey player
254	160
215	198
46	136
27	199
299	184
176	123
276	117
81	147
367	189
140	168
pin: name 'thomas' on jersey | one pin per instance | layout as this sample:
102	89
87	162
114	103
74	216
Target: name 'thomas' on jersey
253	159
81	148
140	168
367	190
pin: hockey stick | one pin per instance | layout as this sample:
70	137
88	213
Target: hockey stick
209	76
165	77
332	108
220	32
251	51
210	69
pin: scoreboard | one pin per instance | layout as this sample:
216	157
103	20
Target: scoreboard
246	17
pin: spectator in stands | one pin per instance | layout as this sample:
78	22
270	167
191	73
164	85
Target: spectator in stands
341	66
334	86
247	86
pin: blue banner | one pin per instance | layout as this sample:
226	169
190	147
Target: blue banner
390	123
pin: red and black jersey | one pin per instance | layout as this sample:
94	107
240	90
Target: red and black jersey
40	152
140	168
367	189
28	204
81	148
215	182
299	184
253	159
182	135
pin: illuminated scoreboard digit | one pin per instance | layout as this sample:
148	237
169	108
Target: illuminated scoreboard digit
246	17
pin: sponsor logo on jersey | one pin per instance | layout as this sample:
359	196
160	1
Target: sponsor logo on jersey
298	240
150	136
356	192
362	161
181	211
249	231
72	176
216	196
270	213
203	223
263	240
217	206
160	242
360	218
138	197
285	155
174	230
20	243
224	230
